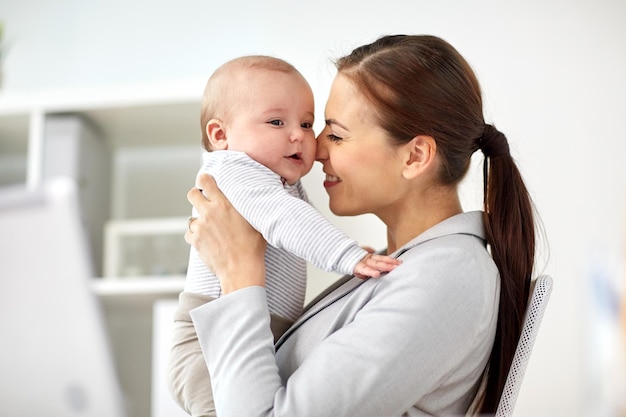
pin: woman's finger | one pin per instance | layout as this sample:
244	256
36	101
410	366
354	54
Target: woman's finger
205	187
195	197
209	188
189	235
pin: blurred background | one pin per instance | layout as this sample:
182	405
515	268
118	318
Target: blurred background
124	79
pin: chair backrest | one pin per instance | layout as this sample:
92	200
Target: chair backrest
540	290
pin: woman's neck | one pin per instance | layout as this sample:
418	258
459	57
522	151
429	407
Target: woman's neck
417	215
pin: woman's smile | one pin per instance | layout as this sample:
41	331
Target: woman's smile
331	181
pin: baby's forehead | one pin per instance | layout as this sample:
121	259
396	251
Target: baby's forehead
260	73
249	80
261	88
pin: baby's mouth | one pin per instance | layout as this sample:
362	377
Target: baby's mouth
296	156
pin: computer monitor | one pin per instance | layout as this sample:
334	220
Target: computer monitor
55	358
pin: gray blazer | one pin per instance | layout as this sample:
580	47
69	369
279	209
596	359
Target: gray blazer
412	343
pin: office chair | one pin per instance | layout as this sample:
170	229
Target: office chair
540	290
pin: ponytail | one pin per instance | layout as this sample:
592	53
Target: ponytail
511	235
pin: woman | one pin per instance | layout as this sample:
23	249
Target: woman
435	335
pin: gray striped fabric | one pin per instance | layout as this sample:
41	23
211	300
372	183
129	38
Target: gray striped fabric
294	230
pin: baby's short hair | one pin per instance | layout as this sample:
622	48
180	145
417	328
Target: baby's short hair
216	103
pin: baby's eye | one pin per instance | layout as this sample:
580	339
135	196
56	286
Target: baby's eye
276	122
333	138
306	125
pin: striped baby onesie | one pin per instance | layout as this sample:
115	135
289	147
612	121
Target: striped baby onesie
294	230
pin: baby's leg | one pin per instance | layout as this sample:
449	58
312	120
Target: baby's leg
279	325
188	376
200	279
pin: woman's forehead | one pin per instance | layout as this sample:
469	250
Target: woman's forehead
346	105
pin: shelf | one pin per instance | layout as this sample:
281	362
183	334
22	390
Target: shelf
136	294
173	92
152	246
148	125
128	116
106	287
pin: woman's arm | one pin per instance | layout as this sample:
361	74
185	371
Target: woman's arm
401	340
397	342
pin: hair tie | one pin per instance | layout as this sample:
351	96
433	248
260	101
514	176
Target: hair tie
493	143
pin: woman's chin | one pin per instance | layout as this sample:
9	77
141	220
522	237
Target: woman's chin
341	210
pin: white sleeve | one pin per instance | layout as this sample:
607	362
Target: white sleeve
284	220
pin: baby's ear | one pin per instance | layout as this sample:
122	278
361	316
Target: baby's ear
217	134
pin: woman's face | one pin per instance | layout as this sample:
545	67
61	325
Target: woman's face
362	167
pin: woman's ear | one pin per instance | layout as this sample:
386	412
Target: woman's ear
419	155
216	133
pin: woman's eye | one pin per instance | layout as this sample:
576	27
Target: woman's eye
333	138
276	122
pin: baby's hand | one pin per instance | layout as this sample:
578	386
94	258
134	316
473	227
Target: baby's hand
372	265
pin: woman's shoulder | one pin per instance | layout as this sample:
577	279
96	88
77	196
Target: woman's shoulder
456	227
451	254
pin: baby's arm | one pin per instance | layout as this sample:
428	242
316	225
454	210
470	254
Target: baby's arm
373	265
289	222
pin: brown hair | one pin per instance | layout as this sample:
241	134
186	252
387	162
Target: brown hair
222	86
420	85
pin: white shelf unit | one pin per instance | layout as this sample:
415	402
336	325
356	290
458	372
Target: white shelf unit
152	137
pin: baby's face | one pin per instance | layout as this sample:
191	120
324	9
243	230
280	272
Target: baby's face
272	121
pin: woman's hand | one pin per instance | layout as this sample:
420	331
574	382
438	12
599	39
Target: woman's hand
225	241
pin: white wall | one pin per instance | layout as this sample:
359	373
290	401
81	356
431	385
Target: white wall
554	79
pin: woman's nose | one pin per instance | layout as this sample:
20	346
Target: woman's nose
321	153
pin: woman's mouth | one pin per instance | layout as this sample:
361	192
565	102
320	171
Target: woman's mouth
331	181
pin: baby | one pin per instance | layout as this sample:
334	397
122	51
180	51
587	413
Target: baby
257	129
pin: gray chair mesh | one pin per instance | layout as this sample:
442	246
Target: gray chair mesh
540	293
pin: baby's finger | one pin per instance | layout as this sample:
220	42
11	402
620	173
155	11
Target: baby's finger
367	272
383	259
